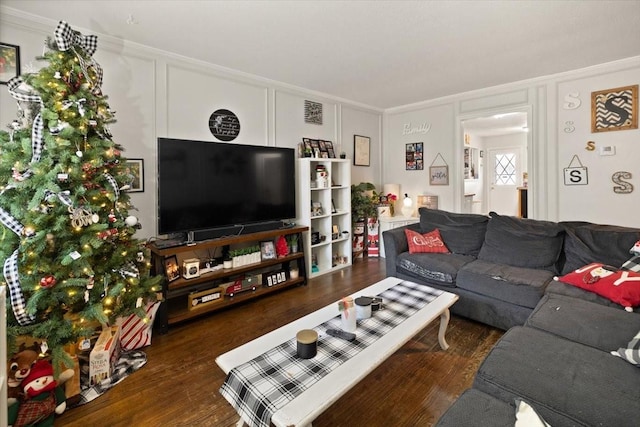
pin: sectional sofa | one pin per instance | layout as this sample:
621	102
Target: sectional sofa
564	315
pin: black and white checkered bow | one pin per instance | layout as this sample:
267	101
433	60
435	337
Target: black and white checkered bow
66	37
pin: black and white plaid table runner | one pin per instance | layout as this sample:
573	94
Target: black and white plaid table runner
259	387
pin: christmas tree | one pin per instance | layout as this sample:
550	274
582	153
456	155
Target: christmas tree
66	236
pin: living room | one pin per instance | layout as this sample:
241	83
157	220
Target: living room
159	93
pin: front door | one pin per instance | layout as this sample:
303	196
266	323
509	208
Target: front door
505	176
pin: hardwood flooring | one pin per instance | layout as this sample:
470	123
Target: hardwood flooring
179	384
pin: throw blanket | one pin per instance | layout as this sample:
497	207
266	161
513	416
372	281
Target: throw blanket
128	363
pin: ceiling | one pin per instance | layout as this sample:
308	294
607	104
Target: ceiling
380	54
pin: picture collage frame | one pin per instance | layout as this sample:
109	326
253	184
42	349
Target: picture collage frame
320	148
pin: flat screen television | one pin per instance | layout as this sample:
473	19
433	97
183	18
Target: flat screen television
211	185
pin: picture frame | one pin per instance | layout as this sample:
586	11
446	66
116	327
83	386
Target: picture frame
313	112
9	62
614	109
171	268
267	250
414	156
361	150
333	207
439	175
316	209
135	169
330	150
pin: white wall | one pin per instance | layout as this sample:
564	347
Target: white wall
434	127
158	94
596	201
549	147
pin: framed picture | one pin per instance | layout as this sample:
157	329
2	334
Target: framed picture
313	112
361	147
9	62
171	269
614	109
439	175
135	169
333	207
414	156
267	250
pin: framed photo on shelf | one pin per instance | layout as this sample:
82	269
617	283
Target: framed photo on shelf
307	144
330	150
9	61
316	209
171	269
267	250
135	169
361	147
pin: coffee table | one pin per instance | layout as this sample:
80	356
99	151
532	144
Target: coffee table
310	403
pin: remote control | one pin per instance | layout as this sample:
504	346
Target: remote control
341	334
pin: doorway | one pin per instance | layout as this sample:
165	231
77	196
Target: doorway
502	141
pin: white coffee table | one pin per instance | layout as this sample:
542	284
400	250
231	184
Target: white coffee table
304	408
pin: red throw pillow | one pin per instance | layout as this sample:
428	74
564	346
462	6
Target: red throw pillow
430	242
618	286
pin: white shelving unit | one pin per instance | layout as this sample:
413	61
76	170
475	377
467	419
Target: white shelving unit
332	252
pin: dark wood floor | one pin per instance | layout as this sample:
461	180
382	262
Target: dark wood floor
179	384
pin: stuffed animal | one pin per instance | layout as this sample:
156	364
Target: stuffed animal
45	398
18	367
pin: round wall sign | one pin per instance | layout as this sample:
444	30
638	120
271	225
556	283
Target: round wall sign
224	125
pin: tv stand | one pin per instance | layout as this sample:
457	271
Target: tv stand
179	293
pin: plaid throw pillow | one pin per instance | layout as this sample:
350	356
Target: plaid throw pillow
632	352
430	242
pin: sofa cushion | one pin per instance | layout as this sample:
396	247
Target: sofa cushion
516	285
438	268
561	378
522	242
462	233
560	288
430	242
630	352
585	322
586	243
619	286
474	408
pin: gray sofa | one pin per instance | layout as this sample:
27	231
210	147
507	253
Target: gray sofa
556	355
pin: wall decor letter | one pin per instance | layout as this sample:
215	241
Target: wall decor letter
591	145
571	101
614	109
569	127
575	175
623	187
